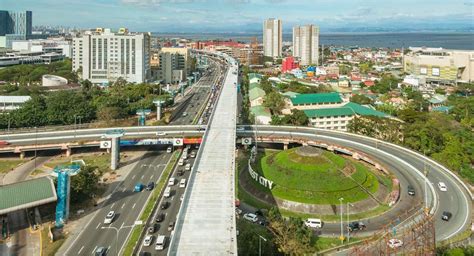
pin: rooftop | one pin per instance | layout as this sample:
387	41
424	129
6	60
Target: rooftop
316	98
364	111
260	111
325	112
349	109
256	93
26	194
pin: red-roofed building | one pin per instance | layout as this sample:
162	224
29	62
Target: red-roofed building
369	83
288	64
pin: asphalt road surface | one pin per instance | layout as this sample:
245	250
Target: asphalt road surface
128	204
170	212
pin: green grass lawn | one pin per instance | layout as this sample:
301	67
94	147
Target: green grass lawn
50	248
314	180
102	161
7	165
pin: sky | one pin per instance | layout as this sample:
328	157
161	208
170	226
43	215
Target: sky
247	15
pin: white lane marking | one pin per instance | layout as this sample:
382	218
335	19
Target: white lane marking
143	176
98	225
123	205
93	250
80	250
112	206
133	206
124	189
133	177
151	178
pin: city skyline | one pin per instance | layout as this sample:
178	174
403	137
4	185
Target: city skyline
248	15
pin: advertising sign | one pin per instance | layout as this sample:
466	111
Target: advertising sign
192	140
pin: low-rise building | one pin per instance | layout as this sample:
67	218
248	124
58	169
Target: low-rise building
316	100
440	66
337	118
262	115
8	103
256	96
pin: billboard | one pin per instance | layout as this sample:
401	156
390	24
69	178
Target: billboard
192	140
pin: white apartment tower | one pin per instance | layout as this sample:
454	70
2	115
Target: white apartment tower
306	44
105	56
272	37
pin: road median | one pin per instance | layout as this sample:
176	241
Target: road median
139	231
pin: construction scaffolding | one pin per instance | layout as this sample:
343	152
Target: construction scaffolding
414	236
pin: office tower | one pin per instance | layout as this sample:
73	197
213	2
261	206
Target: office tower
106	56
272	37
14	26
172	67
306	44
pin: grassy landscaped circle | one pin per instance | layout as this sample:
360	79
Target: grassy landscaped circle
315	179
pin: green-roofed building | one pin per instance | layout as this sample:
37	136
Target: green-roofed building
256	96
253	85
364	111
316	100
26	194
255	78
339	117
262	114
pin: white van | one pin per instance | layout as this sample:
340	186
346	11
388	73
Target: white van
171	182
169	150
181	162
167	192
160	243
185	155
182	183
187	167
314	223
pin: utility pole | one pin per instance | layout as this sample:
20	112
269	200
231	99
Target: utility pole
342	234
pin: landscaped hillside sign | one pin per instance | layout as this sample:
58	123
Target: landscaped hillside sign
260	179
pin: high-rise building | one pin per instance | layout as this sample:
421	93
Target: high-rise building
272	38
106	56
306	44
15	26
172	67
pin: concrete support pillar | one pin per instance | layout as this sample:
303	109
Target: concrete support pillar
285	146
68	152
22	154
158	112
115	156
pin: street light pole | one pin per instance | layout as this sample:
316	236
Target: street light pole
36	144
348	212
260	244
342	234
117	230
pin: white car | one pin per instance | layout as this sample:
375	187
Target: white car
394	243
442	186
109	218
161	134
313	223
171	182
251	217
147	241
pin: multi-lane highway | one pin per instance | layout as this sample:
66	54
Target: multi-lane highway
163	227
128	204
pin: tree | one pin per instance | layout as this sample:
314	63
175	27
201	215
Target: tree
84	184
291	236
361	99
274	101
297	118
